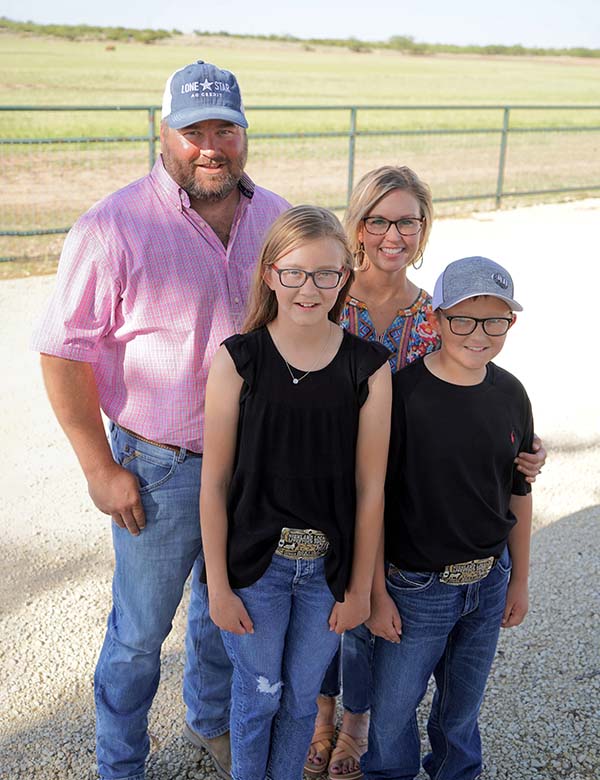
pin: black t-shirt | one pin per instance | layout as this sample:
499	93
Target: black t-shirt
295	456
450	471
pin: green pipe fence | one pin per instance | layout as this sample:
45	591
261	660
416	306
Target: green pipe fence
56	161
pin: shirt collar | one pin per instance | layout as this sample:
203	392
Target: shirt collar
178	196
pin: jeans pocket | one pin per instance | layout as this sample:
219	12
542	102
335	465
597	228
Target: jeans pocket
403	579
151	472
504	562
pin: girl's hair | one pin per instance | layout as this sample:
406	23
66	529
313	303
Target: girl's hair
370	190
291	230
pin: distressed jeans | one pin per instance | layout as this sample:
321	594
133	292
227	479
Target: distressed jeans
150	573
450	631
277	670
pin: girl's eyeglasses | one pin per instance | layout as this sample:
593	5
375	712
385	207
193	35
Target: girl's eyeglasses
296	277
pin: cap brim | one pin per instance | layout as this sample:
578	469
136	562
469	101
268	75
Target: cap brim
514	306
190	116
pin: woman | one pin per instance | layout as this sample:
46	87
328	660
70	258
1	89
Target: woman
388	223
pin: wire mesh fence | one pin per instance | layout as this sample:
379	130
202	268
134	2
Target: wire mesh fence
56	162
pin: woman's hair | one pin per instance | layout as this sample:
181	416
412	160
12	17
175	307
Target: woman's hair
370	190
291	230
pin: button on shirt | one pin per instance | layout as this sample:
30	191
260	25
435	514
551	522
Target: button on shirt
146	292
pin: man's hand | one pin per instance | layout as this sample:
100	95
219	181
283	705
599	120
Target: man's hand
115	491
530	463
385	619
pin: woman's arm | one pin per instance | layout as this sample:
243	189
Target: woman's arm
221	414
371	459
517	597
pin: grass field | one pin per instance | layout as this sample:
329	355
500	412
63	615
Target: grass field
63	180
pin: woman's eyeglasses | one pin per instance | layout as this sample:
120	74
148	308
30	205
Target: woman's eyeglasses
406	226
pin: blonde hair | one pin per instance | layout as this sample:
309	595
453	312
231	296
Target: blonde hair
291	230
370	190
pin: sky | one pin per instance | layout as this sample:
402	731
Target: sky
545	23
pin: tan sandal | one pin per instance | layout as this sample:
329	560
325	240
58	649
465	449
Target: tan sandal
348	747
322	741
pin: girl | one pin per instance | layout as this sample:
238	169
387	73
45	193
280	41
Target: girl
388	222
296	439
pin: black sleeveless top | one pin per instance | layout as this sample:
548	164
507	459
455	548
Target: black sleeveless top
295	455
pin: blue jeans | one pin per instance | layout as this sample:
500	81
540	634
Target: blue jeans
450	631
150	572
278	669
350	671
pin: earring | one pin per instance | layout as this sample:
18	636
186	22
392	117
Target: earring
359	256
418	261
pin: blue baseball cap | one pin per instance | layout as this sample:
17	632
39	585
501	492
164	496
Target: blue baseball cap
472	276
202	91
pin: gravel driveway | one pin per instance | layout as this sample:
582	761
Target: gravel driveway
541	715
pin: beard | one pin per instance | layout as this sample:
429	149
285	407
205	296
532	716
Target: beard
210	188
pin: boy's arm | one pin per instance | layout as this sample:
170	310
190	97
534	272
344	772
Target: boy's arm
371	459
220	432
385	619
517	597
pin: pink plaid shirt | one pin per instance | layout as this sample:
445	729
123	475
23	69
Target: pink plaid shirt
146	292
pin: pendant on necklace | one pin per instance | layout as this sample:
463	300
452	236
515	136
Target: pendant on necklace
295	381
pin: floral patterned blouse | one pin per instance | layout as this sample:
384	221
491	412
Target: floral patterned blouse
411	335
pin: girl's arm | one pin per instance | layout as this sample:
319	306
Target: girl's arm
517	597
221	413
371	459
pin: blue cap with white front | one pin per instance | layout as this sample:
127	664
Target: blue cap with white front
470	277
202	91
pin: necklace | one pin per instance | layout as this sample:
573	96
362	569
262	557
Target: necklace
297	379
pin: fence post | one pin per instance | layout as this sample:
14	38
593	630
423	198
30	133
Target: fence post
151	133
351	148
502	160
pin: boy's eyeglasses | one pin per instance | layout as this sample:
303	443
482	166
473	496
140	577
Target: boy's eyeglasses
406	226
296	277
493	326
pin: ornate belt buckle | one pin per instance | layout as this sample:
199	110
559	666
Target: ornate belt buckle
468	572
298	543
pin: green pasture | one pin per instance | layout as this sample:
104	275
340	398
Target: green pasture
42	71
46	186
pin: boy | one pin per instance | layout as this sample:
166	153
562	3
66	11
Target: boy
457	514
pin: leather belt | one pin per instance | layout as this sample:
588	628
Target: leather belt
171	447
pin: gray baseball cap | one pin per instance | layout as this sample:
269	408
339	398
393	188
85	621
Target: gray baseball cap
471	276
202	91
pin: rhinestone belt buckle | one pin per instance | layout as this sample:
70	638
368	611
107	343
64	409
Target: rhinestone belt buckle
468	572
298	543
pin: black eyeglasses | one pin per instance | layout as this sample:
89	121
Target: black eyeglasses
406	226
493	326
296	277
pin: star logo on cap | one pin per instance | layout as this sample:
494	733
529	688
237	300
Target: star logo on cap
206	85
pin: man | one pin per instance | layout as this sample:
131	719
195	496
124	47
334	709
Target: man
150	281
